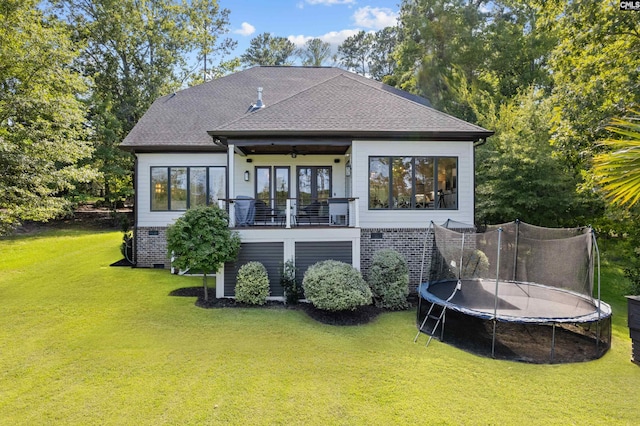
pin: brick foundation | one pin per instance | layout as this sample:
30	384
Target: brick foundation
151	247
408	242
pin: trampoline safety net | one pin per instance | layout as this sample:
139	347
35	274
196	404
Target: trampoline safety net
516	252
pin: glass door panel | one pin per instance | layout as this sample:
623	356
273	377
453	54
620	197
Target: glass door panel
281	189
263	184
323	183
304	186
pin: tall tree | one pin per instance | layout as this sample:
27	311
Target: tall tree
42	135
518	175
438	34
595	72
265	49
498	45
355	51
382	63
314	53
135	52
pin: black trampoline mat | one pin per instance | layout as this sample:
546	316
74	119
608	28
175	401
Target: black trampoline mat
516	301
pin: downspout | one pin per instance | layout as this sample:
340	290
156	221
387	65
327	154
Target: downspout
135	211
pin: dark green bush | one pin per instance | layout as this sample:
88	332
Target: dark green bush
252	284
335	286
292	290
389	279
632	272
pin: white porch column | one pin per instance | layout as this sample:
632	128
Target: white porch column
232	184
288	214
356	204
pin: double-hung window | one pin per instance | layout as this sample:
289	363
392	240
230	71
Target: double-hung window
413	183
181	188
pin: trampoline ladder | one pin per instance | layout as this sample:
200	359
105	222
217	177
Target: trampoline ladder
430	316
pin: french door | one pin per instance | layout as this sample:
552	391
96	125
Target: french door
314	184
272	186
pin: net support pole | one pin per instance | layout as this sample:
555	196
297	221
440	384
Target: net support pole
597	252
495	302
515	256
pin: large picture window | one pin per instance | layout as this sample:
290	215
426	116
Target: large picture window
413	183
181	188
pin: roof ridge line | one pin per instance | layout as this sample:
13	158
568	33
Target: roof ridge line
251	113
357	80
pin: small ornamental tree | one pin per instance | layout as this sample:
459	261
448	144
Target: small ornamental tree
201	240
335	286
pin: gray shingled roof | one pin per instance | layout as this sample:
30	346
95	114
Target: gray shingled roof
299	101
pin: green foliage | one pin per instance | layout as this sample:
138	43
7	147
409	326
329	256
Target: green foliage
632	272
292	290
202	241
252	284
497	41
382	63
265	49
618	171
354	52
134	52
595	73
335	286
314	53
389	279
518	175
42	129
475	265
369	53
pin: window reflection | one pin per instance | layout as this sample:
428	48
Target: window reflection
413	183
180	188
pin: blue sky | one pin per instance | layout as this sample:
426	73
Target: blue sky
299	20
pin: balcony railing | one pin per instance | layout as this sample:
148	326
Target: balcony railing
292	212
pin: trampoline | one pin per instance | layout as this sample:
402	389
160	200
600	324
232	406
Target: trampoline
528	289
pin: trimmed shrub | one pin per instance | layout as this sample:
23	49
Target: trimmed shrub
335	286
252	284
389	279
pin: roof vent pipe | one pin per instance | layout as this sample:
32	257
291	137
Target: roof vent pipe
259	104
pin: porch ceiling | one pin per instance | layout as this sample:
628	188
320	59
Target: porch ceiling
290	146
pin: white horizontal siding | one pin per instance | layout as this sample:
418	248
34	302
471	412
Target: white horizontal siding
143	188
362	150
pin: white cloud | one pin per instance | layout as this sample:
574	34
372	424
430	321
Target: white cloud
334	38
246	29
375	17
330	2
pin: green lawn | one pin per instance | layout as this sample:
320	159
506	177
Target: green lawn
84	343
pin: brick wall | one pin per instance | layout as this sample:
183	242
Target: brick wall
151	247
408	242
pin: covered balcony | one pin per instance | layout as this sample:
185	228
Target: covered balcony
248	212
